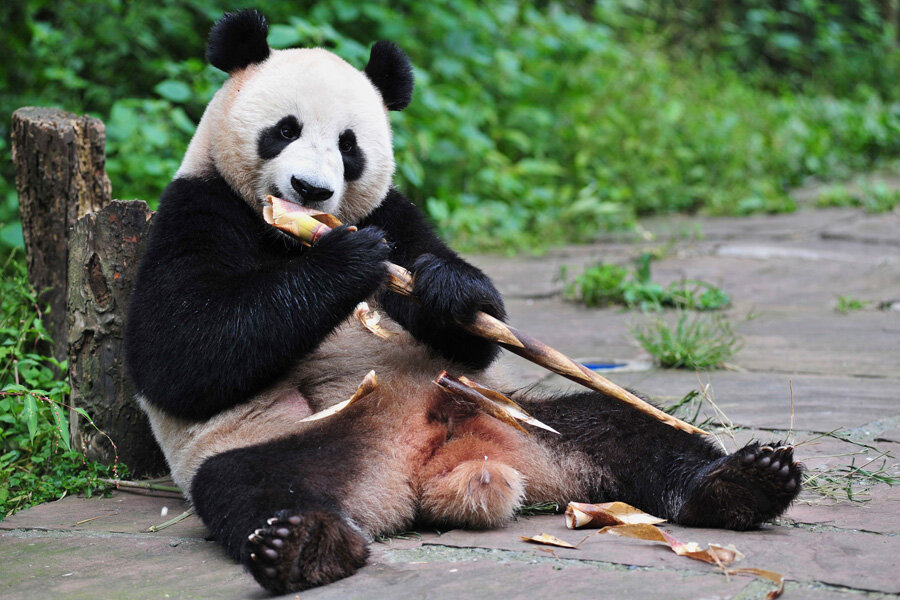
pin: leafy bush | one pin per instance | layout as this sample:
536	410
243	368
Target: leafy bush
603	284
818	45
532	124
37	462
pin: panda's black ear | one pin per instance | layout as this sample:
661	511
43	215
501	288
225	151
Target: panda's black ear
391	72
237	40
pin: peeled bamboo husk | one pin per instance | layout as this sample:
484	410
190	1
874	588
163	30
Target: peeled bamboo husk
310	225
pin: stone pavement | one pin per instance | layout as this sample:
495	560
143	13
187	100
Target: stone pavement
783	273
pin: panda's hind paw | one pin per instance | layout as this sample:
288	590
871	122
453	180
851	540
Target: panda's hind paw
739	491
294	551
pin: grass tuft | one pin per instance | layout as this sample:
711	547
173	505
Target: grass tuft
700	342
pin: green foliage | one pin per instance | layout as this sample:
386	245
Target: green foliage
699	342
847	304
604	284
532	124
875	197
37	462
817	45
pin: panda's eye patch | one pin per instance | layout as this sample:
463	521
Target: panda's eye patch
351	155
275	138
347	142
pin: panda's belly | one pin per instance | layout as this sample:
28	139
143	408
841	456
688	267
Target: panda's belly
332	373
326	377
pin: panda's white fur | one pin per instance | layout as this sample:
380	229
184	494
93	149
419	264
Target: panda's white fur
328	96
227	390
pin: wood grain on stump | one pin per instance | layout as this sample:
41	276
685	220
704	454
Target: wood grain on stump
60	176
105	250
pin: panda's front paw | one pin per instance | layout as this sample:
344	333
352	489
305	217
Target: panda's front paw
298	550
358	256
452	291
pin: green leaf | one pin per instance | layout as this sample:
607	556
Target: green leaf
282	36
30	414
11	235
62	425
174	91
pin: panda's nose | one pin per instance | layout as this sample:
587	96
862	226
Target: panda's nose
310	193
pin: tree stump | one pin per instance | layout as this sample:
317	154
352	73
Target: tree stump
60	176
105	249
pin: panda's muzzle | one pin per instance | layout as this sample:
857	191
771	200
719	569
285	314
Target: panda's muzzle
310	194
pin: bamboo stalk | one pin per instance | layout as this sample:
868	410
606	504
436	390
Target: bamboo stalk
306	225
141	485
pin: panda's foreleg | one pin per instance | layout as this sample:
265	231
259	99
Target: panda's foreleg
667	472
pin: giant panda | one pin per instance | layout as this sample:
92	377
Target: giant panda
236	333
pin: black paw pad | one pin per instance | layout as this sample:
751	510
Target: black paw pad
772	468
755	484
296	551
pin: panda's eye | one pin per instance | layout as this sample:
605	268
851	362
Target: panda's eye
289	133
347	142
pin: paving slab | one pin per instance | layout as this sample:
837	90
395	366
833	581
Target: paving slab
437	571
39	565
829	556
120	512
872	229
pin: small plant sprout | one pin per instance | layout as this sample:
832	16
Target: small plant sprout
848	304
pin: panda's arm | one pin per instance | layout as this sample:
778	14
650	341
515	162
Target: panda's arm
214	318
448	288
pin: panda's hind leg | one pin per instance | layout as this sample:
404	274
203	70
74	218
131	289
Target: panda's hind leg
665	471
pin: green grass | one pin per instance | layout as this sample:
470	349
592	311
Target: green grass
875	197
606	284
847	304
696	342
37	462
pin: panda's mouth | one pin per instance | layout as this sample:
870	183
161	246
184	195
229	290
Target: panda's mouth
274	191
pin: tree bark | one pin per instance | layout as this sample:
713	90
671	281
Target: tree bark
105	249
60	175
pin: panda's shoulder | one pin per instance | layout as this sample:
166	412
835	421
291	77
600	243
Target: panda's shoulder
202	206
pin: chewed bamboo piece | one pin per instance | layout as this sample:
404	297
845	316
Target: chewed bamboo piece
490	401
310	225
579	514
368	385
370	319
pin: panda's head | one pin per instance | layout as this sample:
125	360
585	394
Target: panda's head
301	124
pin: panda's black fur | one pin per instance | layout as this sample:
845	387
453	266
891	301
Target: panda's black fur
236	333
